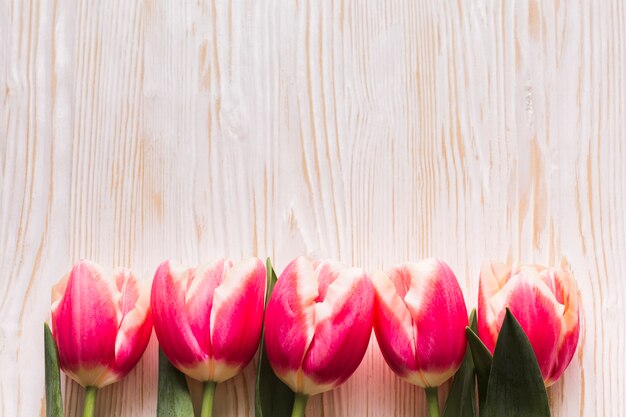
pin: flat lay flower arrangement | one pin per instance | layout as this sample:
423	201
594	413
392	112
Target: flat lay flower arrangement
311	328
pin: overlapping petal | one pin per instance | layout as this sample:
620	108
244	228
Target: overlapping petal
237	314
420	321
290	316
318	324
343	326
136	324
208	319
544	301
171	319
393	324
101	323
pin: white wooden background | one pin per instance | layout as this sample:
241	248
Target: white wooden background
370	131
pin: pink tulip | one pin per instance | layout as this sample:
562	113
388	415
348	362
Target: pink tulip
419	321
318	324
543	300
101	323
208	319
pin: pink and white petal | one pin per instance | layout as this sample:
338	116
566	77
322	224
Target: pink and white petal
326	272
199	300
128	287
440	314
401	278
493	277
58	290
343	329
564	355
290	315
548	278
534	306
393	326
237	314
419	276
169	314
133	335
85	319
487	327
566	291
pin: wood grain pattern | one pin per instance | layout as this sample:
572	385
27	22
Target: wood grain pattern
373	132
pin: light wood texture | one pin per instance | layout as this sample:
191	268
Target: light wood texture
369	131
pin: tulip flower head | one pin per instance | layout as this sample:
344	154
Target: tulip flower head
208	319
318	324
101	323
419	321
543	300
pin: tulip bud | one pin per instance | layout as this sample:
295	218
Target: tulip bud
208	319
101	323
419	321
318	324
543	300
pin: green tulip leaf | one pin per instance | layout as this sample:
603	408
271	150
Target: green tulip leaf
54	403
516	388
461	400
482	362
173	397
272	398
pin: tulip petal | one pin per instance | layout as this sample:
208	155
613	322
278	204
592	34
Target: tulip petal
58	290
290	317
436	304
171	321
533	305
563	356
237	315
129	289
493	276
327	273
199	300
136	326
545	301
567	291
85	322
393	326
343	328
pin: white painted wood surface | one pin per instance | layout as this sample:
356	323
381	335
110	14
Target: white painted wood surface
370	131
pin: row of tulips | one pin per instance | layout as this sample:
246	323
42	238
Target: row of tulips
317	322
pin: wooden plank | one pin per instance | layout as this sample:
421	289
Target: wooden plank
372	132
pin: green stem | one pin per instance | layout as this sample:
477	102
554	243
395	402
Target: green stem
208	394
299	405
90	401
433	401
